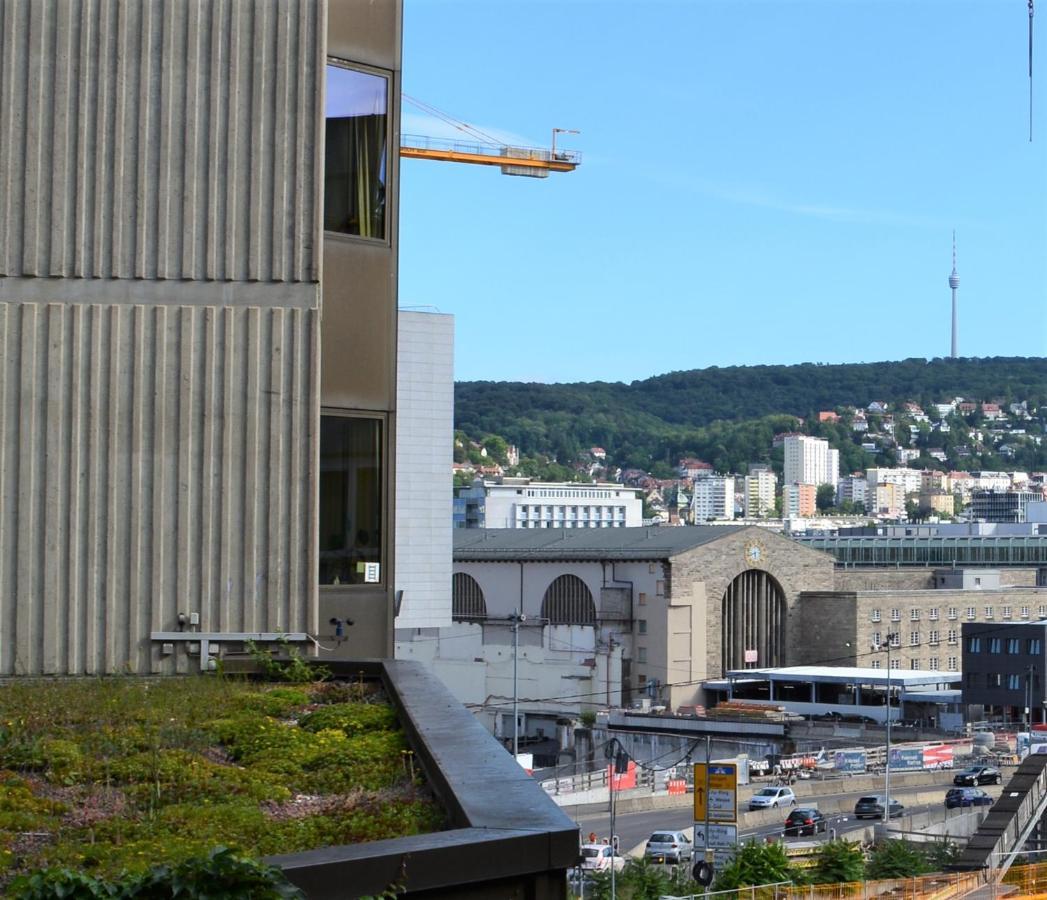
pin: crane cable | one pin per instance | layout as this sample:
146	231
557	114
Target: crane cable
473	132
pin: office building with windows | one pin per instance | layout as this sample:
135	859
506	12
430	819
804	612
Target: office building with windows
1004	670
522	503
198	268
1002	506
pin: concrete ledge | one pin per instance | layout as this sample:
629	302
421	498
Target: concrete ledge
509	838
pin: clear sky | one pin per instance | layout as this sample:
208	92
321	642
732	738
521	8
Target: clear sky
762	182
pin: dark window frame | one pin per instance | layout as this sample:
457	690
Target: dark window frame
391	153
380	499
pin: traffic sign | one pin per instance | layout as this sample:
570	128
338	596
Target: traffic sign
721	837
716	796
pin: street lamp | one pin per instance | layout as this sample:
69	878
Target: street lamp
891	638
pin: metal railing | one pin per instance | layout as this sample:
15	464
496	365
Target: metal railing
421	142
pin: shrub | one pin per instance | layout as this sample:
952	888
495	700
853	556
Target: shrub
218	875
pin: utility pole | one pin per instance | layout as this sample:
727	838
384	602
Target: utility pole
1028	697
516	618
887	752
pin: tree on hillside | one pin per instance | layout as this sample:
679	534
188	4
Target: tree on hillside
825	499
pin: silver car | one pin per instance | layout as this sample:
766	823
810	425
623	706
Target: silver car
772	798
668	847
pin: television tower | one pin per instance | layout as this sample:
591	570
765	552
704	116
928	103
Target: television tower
954	283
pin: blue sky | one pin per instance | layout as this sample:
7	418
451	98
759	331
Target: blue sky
762	182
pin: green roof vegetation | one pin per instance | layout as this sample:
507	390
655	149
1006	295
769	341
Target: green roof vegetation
114	776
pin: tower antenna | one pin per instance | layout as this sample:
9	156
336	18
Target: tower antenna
954	283
1031	11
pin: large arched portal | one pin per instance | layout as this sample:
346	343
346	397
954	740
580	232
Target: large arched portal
753	618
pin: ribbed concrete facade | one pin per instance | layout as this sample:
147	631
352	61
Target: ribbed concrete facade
160	138
159	325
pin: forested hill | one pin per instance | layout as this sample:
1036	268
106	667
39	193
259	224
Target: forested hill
658	417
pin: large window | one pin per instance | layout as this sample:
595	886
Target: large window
357	153
351	475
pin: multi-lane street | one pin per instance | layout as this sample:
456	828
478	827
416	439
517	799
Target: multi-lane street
634	828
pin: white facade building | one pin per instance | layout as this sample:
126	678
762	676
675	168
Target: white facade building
425	435
758	493
906	481
714	498
810	460
522	503
853	488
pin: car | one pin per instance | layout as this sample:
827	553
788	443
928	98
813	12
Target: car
600	858
966	796
872	807
805	820
668	847
772	798
978	775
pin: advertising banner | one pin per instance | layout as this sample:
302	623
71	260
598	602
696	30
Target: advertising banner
937	757
850	761
907	759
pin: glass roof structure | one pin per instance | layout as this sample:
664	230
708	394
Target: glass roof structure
935	550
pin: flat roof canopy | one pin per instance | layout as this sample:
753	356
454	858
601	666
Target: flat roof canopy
905	678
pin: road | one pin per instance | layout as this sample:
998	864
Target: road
634	828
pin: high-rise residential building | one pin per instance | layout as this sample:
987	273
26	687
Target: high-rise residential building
759	490
713	498
523	503
799	500
810	460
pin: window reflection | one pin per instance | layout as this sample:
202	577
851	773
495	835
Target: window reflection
350	500
357	152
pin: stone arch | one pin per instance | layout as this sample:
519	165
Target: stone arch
568	601
752	617
467	599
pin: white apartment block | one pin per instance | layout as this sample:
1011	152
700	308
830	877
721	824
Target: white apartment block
714	498
810	460
905	481
758	492
522	503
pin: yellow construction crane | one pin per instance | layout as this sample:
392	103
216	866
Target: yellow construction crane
484	150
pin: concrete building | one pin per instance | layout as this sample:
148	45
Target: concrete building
845	624
424	443
1002	506
523	503
799	500
1004	669
184	448
810	460
759	487
713	498
614	615
852	488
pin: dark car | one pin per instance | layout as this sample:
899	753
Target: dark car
871	807
978	775
805	820
966	796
